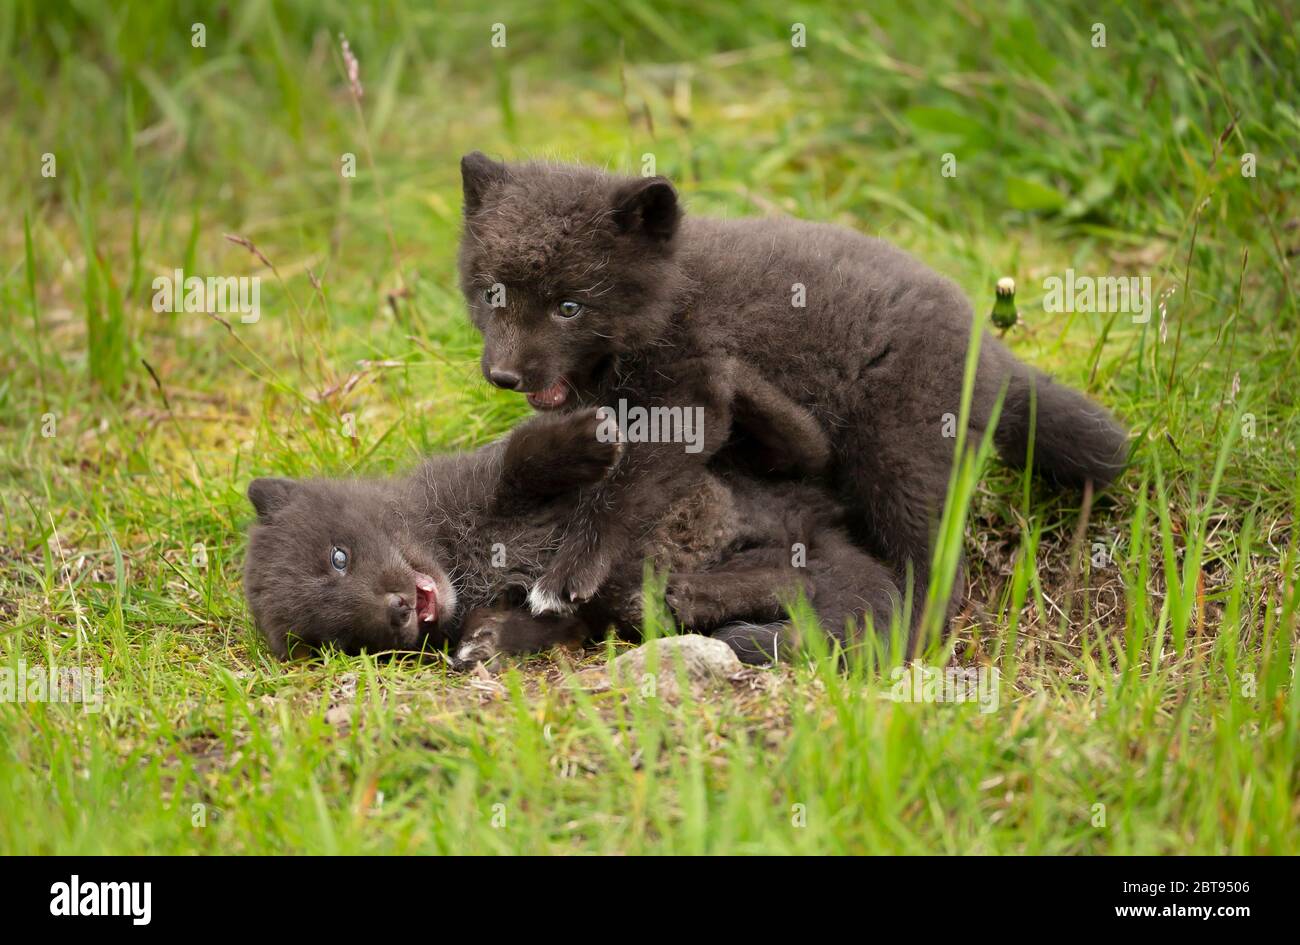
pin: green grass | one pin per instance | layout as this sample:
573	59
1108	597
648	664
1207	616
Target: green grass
1145	643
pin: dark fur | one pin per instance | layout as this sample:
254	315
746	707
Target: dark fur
877	355
724	539
448	520
726	548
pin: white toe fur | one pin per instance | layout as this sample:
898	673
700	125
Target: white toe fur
541	602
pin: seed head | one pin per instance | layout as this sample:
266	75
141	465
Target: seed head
353	67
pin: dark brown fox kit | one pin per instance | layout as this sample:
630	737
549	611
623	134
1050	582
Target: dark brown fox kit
591	288
441	556
394	564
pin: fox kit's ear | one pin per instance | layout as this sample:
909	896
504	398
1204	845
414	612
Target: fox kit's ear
648	206
479	174
269	496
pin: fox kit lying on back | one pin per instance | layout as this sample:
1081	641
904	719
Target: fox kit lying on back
394	564
437	558
590	288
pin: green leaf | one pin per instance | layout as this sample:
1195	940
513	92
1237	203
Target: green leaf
933	121
1097	190
1024	193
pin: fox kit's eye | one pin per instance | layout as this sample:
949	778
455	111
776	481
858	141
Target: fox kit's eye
339	558
569	309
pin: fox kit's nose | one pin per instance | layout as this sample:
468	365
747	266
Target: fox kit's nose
399	609
507	380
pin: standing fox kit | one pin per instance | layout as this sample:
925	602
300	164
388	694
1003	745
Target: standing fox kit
591	289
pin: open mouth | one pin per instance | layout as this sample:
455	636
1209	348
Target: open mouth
426	598
548	398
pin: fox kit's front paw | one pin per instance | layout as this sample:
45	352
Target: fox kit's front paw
568	583
555	454
490	633
593	444
480	644
543	600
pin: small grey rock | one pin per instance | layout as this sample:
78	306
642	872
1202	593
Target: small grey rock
707	662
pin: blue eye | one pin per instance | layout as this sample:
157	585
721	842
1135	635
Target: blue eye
569	309
339	558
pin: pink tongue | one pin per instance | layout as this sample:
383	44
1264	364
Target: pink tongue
551	396
426	594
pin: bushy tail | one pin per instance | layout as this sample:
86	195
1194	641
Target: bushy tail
1074	438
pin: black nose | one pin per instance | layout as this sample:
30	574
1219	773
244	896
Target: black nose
399	609
507	380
